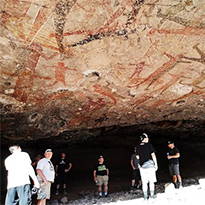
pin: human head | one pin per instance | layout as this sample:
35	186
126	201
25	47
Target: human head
48	154
63	155
38	157
170	144
144	137
13	148
101	159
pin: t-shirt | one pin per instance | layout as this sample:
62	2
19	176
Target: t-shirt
19	169
144	150
47	168
62	165
101	169
135	161
172	152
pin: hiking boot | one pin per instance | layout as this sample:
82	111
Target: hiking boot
57	193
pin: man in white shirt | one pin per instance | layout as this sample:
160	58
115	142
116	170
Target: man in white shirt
19	168
46	174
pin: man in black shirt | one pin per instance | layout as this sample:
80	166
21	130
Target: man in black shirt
173	157
63	166
101	176
148	165
136	178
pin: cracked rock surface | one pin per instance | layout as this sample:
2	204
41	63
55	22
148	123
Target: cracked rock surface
74	70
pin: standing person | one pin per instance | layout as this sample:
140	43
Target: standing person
63	166
19	168
46	175
148	165
173	157
101	176
136	178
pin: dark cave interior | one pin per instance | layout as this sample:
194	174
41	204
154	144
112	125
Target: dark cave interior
117	150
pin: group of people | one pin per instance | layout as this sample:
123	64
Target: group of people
20	169
144	166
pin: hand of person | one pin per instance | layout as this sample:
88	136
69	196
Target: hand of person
156	167
45	182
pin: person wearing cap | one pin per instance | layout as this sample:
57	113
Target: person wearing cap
173	157
46	175
148	165
101	176
136	178
19	168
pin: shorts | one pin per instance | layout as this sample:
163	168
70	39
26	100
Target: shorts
102	180
61	178
136	174
46	189
148	175
174	169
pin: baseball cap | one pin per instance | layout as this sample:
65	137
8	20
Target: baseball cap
100	156
143	136
48	150
170	142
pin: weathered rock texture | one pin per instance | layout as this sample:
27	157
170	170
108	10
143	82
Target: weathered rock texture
74	67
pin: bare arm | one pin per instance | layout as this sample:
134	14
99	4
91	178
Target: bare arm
67	170
177	155
40	173
94	175
131	162
33	176
56	170
155	160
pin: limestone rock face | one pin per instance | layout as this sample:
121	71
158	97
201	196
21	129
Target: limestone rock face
76	67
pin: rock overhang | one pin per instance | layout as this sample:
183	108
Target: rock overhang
76	68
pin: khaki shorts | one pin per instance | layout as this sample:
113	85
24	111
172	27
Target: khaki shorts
45	188
102	180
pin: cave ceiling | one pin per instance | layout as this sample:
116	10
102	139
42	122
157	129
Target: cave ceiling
73	68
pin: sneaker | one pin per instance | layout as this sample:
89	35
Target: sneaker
64	192
180	185
106	194
57	192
